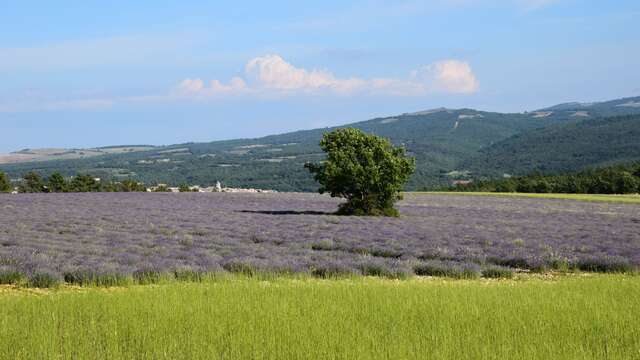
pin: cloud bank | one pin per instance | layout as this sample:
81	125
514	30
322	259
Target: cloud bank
272	75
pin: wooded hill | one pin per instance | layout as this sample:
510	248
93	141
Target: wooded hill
448	144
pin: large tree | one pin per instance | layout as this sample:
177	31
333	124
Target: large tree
56	183
84	183
5	183
366	170
130	185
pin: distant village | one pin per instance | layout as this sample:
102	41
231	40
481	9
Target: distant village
33	183
210	189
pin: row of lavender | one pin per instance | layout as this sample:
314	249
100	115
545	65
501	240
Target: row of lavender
138	235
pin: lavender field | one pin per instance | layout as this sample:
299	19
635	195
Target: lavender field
129	233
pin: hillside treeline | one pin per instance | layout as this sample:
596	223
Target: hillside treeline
32	182
618	179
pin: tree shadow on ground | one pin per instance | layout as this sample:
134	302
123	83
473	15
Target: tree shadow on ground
287	212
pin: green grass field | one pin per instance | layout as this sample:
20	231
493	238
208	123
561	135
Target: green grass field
627	199
568	317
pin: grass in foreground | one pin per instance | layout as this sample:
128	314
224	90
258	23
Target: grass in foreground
626	199
570	317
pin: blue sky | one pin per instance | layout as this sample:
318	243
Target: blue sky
95	73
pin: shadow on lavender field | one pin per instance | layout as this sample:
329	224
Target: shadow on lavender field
141	235
287	212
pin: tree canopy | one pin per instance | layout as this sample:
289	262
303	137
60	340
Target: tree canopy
57	183
615	179
84	183
130	185
366	170
5	183
32	183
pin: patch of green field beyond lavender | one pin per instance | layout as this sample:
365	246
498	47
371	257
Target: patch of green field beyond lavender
572	317
625	199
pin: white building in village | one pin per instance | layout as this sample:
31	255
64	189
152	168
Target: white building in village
217	188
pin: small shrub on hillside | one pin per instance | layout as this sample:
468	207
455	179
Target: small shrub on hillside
111	279
538	265
147	276
512	262
323	245
186	188
240	268
497	272
10	277
559	264
383	270
186	241
188	275
256	239
609	264
331	271
435	254
162	188
359	250
386	253
377	252
533	264
198	233
375	270
91	278
43	280
447	269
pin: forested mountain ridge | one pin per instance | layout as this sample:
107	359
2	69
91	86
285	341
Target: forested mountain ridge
622	106
448	144
565	147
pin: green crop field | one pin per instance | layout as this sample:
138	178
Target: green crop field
628	199
565	317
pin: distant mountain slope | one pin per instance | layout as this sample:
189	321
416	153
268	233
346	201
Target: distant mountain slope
31	155
571	146
438	139
441	140
623	106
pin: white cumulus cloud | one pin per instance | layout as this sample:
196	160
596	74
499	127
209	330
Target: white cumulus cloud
448	76
271	74
189	87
